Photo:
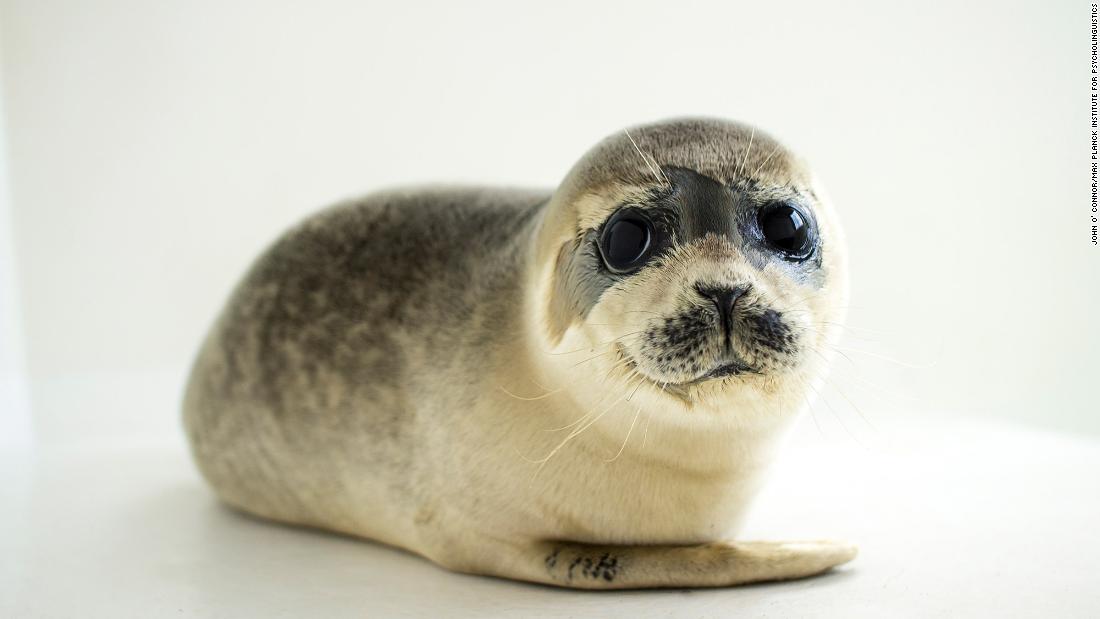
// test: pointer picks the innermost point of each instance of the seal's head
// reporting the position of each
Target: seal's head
(697, 257)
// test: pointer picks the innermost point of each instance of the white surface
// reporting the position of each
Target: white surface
(155, 147)
(954, 519)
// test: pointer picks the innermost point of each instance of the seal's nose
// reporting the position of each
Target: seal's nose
(724, 298)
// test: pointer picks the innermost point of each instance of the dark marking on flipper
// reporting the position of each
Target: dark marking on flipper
(573, 564)
(552, 560)
(605, 567)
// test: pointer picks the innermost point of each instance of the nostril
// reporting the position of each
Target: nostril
(724, 298)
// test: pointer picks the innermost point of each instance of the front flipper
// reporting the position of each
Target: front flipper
(584, 566)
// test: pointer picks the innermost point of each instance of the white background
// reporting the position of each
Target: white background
(155, 148)
(152, 149)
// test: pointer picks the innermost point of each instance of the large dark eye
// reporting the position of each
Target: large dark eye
(626, 241)
(787, 229)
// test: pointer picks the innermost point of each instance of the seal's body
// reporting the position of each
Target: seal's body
(579, 387)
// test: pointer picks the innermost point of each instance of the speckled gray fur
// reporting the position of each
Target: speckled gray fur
(313, 350)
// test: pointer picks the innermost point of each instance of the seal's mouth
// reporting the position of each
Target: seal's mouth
(725, 369)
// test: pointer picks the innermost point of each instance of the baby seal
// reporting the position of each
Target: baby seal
(579, 387)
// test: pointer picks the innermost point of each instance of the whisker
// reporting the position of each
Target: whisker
(852, 404)
(745, 156)
(663, 179)
(886, 358)
(809, 384)
(765, 162)
(531, 399)
(606, 352)
(628, 432)
(813, 417)
(598, 355)
(590, 348)
(576, 433)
